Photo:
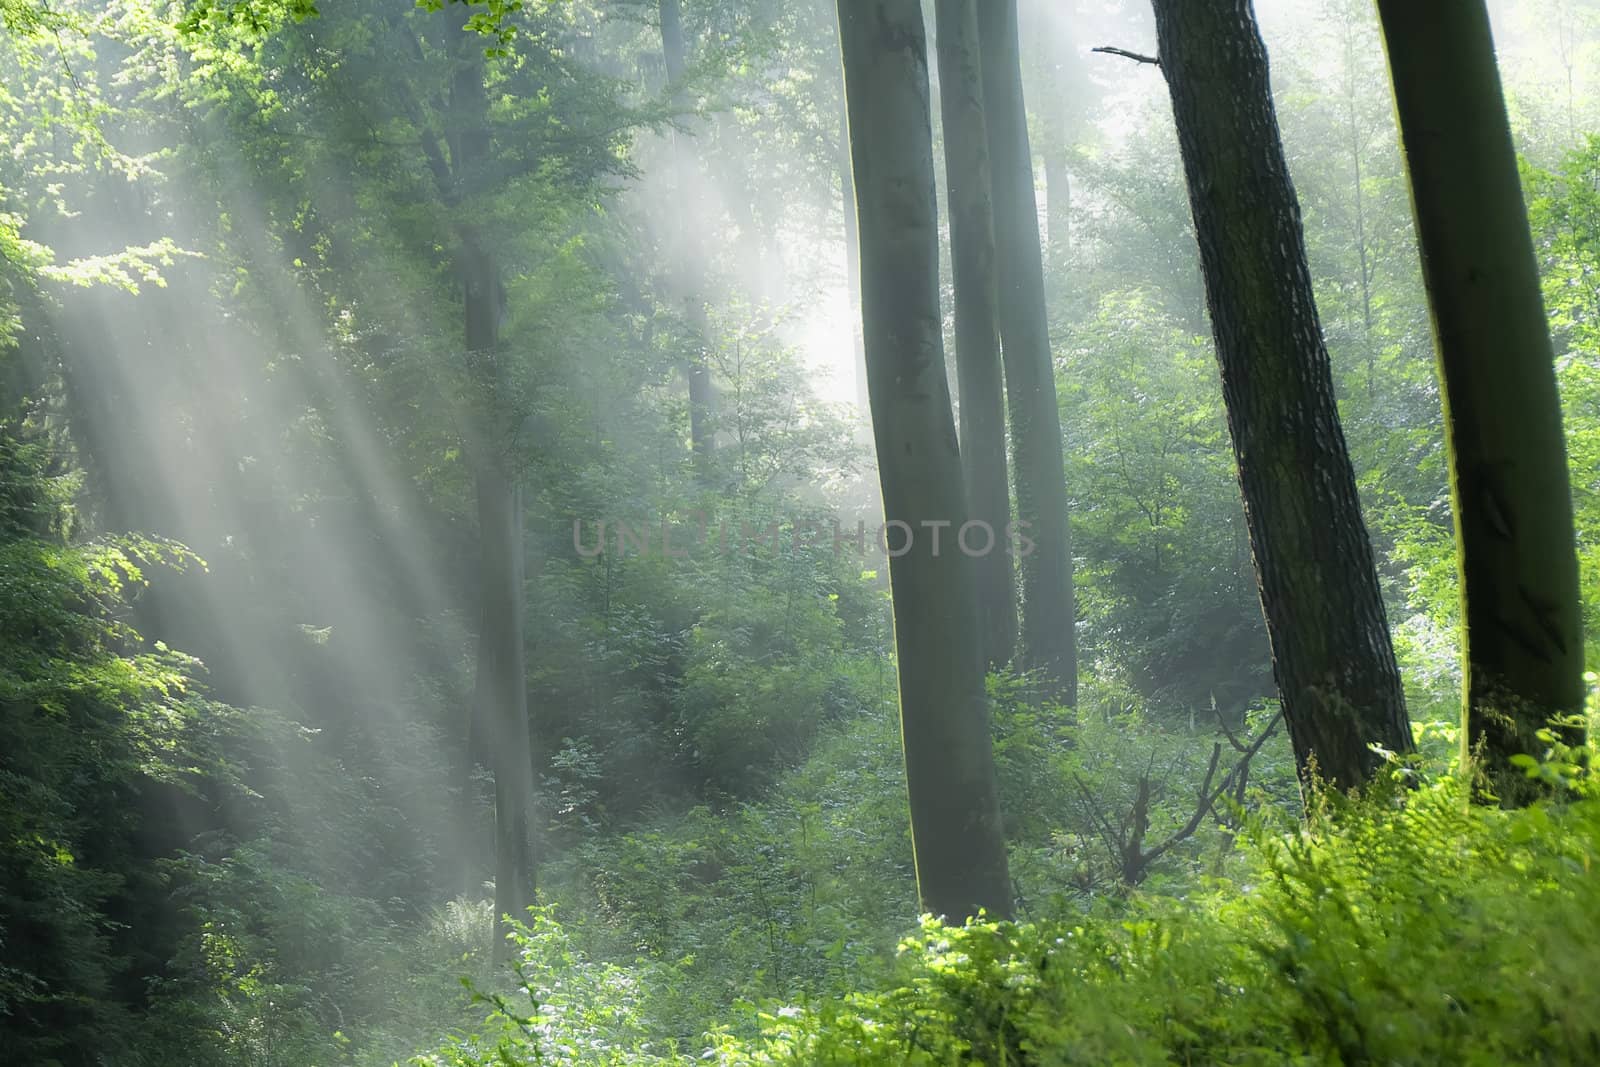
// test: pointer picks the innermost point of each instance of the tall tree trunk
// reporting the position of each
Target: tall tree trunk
(955, 816)
(1049, 637)
(501, 684)
(852, 231)
(1324, 610)
(503, 690)
(983, 427)
(1521, 621)
(688, 262)
(852, 259)
(1046, 25)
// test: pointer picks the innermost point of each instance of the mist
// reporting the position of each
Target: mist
(472, 480)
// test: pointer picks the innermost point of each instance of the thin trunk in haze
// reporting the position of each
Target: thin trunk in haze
(687, 263)
(955, 816)
(1522, 624)
(1324, 610)
(852, 260)
(983, 428)
(1353, 87)
(1049, 637)
(501, 685)
(1044, 24)
(852, 231)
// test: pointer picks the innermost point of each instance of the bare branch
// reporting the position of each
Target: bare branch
(1238, 745)
(1109, 836)
(1153, 61)
(1207, 798)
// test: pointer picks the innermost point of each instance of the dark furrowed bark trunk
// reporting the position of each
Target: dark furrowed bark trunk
(983, 431)
(1049, 637)
(1522, 624)
(955, 817)
(1331, 651)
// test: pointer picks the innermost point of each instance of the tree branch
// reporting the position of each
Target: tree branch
(1203, 804)
(1154, 61)
(1238, 745)
(1207, 795)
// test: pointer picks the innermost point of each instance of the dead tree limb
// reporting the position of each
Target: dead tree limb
(1125, 842)
(1154, 61)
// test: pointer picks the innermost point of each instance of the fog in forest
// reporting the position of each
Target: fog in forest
(610, 531)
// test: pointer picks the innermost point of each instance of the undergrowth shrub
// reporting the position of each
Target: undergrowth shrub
(1422, 933)
(1404, 928)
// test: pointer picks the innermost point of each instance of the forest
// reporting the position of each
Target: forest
(830, 534)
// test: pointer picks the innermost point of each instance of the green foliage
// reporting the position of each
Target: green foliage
(1090, 794)
(760, 677)
(798, 898)
(566, 1008)
(1405, 929)
(230, 316)
(494, 21)
(89, 722)
(1404, 934)
(256, 17)
(1167, 588)
(21, 16)
(1564, 206)
(794, 894)
(128, 269)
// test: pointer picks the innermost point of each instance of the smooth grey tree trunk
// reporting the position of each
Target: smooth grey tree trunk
(978, 373)
(501, 689)
(688, 284)
(950, 777)
(1055, 64)
(1049, 636)
(852, 260)
(1522, 621)
(1324, 610)
(852, 233)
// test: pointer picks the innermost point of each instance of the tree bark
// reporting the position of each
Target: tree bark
(983, 428)
(1522, 625)
(688, 264)
(1049, 636)
(1324, 610)
(501, 684)
(955, 817)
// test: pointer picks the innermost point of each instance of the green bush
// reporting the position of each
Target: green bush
(1406, 928)
(1418, 933)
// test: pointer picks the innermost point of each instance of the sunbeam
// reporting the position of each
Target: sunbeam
(651, 532)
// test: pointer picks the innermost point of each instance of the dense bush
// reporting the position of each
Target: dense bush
(1407, 928)
(91, 726)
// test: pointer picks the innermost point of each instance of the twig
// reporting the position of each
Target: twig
(1154, 61)
(1113, 841)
